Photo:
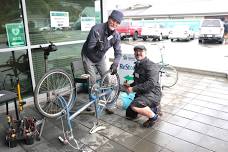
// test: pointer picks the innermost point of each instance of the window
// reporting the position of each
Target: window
(59, 21)
(15, 65)
(10, 13)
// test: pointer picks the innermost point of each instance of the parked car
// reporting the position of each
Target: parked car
(165, 32)
(154, 31)
(127, 29)
(211, 29)
(181, 33)
(45, 28)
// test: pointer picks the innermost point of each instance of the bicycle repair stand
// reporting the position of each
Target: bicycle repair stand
(50, 48)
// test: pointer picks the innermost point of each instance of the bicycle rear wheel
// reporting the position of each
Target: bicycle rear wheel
(168, 76)
(110, 86)
(53, 84)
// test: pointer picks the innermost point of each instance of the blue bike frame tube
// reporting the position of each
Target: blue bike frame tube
(64, 104)
(81, 109)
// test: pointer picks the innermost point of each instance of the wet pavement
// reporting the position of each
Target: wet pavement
(195, 119)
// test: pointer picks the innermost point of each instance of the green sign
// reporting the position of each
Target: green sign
(15, 34)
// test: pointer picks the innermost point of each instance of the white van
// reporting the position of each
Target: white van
(211, 29)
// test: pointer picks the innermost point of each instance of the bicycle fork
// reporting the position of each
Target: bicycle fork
(68, 135)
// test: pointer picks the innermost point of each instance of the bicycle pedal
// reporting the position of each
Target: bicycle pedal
(102, 102)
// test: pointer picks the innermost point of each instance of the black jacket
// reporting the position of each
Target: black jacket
(146, 80)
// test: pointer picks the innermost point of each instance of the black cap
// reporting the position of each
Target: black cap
(117, 15)
(141, 47)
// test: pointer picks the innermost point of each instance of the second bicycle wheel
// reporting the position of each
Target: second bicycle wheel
(168, 76)
(110, 86)
(53, 84)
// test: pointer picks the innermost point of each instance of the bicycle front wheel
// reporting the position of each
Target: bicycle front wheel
(110, 86)
(168, 76)
(53, 84)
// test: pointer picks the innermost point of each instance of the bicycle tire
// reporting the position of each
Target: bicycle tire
(168, 76)
(53, 83)
(114, 84)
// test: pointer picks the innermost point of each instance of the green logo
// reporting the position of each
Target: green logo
(15, 31)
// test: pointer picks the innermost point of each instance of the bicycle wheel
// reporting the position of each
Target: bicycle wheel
(168, 76)
(53, 84)
(110, 86)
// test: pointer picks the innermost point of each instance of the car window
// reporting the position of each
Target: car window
(211, 23)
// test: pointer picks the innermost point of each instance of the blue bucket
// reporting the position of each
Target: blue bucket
(126, 99)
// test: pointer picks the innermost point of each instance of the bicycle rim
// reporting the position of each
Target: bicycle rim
(168, 76)
(53, 83)
(111, 85)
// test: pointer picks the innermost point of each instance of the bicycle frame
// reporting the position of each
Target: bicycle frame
(70, 116)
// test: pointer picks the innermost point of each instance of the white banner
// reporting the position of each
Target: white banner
(59, 19)
(87, 23)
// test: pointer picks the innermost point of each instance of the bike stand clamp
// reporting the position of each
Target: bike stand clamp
(96, 128)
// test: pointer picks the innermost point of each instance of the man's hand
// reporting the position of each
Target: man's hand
(113, 69)
(99, 45)
(127, 87)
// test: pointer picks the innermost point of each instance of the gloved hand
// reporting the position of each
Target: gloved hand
(99, 45)
(113, 69)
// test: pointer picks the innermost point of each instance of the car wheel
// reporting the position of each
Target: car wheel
(135, 36)
(144, 38)
(160, 37)
(171, 40)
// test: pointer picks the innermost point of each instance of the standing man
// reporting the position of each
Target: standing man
(102, 37)
(146, 86)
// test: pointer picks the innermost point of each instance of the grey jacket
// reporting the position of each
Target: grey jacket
(110, 39)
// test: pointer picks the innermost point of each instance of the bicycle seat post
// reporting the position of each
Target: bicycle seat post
(50, 48)
(45, 61)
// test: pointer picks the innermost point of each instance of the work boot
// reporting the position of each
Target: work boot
(150, 122)
(109, 111)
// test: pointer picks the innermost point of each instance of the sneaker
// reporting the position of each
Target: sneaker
(109, 111)
(150, 122)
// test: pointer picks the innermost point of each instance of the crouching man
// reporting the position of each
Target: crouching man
(146, 86)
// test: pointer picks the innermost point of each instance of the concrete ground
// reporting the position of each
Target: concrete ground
(195, 119)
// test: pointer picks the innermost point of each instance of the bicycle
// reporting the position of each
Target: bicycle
(168, 75)
(55, 96)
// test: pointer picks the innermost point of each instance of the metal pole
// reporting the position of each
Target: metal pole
(25, 20)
